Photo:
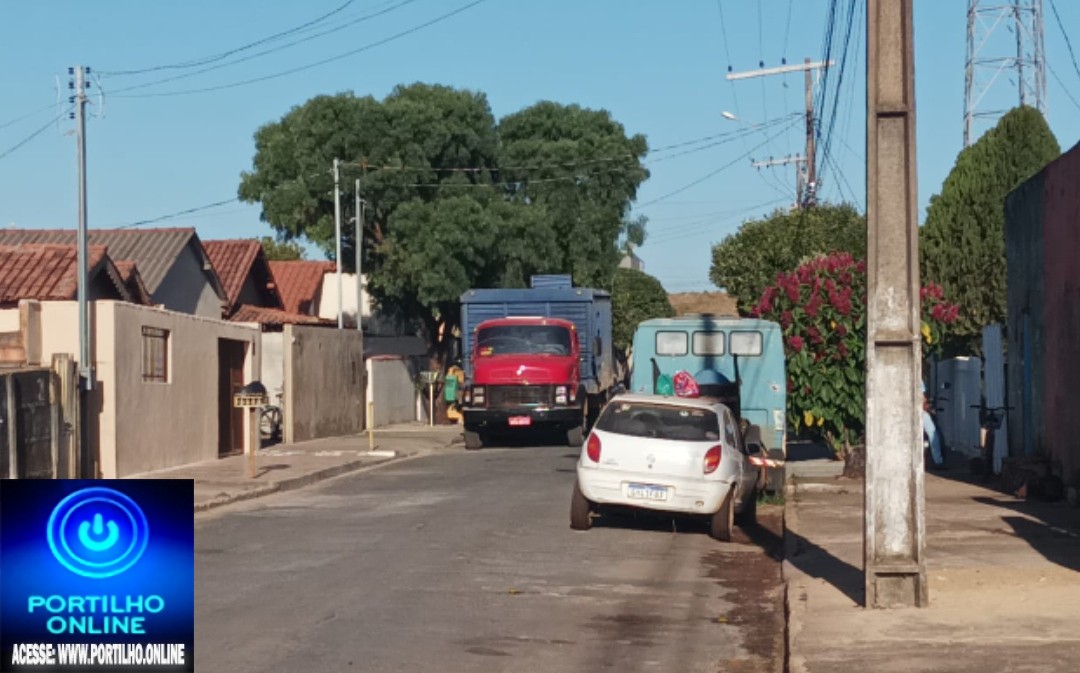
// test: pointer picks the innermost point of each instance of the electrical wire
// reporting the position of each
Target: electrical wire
(33, 113)
(186, 211)
(267, 51)
(291, 71)
(35, 134)
(1068, 42)
(713, 172)
(225, 54)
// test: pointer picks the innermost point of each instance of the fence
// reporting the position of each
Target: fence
(39, 422)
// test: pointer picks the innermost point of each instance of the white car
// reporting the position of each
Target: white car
(670, 454)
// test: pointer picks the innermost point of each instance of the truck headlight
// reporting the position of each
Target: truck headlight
(560, 394)
(478, 394)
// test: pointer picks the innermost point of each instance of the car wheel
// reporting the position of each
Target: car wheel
(723, 521)
(575, 436)
(580, 510)
(473, 440)
(748, 516)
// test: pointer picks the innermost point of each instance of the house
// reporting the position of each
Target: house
(245, 275)
(175, 269)
(300, 284)
(1042, 242)
(631, 261)
(50, 273)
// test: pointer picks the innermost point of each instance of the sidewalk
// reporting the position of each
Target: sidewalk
(284, 467)
(1004, 578)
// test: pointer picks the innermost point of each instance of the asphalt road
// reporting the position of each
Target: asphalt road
(464, 561)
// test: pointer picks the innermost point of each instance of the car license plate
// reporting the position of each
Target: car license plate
(646, 492)
(520, 420)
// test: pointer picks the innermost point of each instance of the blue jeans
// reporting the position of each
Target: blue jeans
(935, 441)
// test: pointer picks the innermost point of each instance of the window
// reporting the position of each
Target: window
(731, 437)
(708, 343)
(671, 343)
(642, 419)
(746, 343)
(524, 340)
(155, 354)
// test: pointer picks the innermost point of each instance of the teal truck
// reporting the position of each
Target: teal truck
(738, 359)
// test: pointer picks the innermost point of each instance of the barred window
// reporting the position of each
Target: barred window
(155, 354)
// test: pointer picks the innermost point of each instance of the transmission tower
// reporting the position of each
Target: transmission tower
(1004, 47)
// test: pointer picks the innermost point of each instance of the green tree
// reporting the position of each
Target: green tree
(962, 243)
(635, 297)
(283, 251)
(748, 261)
(583, 168)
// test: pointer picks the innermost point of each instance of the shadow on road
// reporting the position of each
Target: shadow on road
(818, 562)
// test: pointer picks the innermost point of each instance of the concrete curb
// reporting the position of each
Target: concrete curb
(794, 599)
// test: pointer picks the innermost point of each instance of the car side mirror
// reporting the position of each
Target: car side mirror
(753, 449)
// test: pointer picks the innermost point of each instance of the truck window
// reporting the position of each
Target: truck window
(671, 343)
(658, 421)
(708, 343)
(523, 340)
(746, 343)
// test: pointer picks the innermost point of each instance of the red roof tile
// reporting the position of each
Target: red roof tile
(129, 273)
(44, 272)
(273, 316)
(232, 260)
(299, 283)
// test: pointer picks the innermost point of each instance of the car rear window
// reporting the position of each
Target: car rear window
(659, 421)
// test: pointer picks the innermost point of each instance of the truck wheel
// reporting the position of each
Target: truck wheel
(723, 521)
(575, 436)
(473, 440)
(580, 510)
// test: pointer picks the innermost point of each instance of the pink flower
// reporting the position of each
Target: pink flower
(796, 343)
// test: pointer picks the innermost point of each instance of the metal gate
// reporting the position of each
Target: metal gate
(30, 431)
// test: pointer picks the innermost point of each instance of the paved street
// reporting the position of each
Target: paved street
(464, 561)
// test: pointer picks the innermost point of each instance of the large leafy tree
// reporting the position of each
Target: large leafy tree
(635, 296)
(962, 243)
(583, 168)
(748, 261)
(281, 250)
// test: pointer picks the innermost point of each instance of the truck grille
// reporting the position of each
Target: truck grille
(514, 396)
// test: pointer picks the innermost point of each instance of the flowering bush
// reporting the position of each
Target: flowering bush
(821, 307)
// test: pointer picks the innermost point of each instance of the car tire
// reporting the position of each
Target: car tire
(575, 436)
(473, 440)
(722, 523)
(748, 516)
(580, 510)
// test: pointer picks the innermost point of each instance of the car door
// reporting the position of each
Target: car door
(733, 438)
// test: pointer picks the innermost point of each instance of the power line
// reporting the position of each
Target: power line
(225, 54)
(315, 64)
(714, 172)
(38, 111)
(1068, 42)
(36, 133)
(187, 211)
(267, 51)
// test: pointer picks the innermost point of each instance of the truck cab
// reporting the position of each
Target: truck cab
(526, 372)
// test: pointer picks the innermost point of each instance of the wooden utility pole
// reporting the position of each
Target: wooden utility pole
(894, 535)
(806, 189)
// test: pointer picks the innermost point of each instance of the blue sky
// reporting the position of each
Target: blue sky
(659, 68)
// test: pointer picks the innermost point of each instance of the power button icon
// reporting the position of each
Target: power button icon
(97, 532)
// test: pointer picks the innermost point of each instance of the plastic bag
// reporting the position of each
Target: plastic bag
(686, 385)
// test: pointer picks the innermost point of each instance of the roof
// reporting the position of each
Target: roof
(50, 272)
(129, 273)
(154, 250)
(694, 402)
(238, 259)
(299, 283)
(273, 316)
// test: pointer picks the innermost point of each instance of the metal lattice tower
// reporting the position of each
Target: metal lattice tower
(1004, 46)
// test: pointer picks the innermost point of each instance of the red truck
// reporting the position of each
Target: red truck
(535, 359)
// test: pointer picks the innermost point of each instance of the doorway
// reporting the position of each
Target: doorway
(230, 380)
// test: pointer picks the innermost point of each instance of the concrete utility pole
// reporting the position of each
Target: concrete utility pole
(358, 244)
(337, 237)
(894, 535)
(806, 189)
(86, 368)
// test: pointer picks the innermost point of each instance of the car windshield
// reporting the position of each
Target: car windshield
(523, 340)
(659, 421)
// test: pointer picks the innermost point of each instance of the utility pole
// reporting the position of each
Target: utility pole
(811, 149)
(337, 237)
(894, 522)
(807, 189)
(86, 368)
(359, 243)
(799, 161)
